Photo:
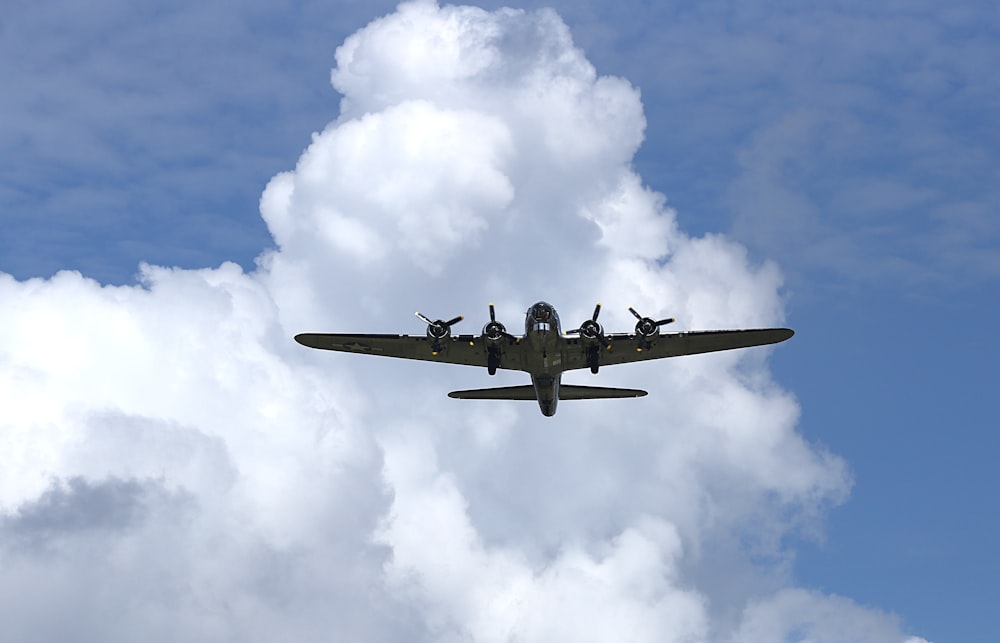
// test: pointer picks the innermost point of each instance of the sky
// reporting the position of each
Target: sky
(183, 190)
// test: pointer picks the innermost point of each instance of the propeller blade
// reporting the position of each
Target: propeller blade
(668, 320)
(431, 322)
(493, 314)
(597, 311)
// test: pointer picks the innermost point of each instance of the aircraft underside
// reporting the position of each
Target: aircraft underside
(544, 351)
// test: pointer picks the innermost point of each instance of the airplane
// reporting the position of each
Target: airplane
(545, 352)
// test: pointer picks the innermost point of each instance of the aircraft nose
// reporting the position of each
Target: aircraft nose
(541, 312)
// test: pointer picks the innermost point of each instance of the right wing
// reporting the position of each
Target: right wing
(469, 350)
(624, 346)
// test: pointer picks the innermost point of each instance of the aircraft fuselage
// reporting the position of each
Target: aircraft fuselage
(544, 361)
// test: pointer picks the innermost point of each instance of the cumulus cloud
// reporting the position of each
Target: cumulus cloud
(167, 447)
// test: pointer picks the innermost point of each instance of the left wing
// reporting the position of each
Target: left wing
(469, 350)
(624, 346)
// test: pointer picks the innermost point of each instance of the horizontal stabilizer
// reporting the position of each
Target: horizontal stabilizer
(566, 392)
(502, 393)
(573, 392)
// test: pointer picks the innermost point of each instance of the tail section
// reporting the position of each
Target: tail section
(566, 392)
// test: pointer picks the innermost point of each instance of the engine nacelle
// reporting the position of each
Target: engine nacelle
(592, 337)
(494, 331)
(591, 330)
(438, 330)
(647, 328)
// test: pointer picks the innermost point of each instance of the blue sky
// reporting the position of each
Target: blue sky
(853, 145)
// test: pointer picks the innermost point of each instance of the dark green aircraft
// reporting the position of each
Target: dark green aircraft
(544, 351)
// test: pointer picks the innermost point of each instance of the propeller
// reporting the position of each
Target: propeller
(439, 329)
(590, 329)
(646, 326)
(494, 330)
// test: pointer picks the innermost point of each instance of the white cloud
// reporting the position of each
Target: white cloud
(408, 180)
(255, 490)
(799, 615)
(625, 590)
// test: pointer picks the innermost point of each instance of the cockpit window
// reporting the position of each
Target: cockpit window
(541, 317)
(541, 313)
